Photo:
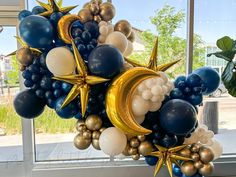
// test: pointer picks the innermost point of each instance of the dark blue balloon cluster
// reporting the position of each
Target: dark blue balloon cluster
(189, 89)
(85, 37)
(177, 172)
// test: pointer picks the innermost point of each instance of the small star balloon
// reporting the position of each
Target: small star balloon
(167, 157)
(153, 61)
(54, 6)
(81, 82)
(23, 44)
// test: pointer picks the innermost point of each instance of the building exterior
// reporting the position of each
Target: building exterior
(5, 65)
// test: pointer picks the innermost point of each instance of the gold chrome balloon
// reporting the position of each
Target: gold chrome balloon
(207, 169)
(107, 11)
(22, 68)
(132, 151)
(145, 148)
(96, 135)
(94, 8)
(86, 5)
(97, 18)
(126, 150)
(124, 27)
(195, 157)
(81, 128)
(79, 123)
(93, 122)
(102, 129)
(206, 154)
(136, 157)
(195, 147)
(24, 56)
(85, 15)
(185, 152)
(64, 27)
(198, 164)
(134, 142)
(81, 143)
(95, 143)
(141, 138)
(119, 99)
(188, 168)
(87, 134)
(132, 36)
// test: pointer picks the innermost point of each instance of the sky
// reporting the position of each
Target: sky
(213, 18)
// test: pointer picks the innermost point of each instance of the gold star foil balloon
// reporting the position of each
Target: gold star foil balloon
(54, 6)
(153, 61)
(168, 157)
(81, 82)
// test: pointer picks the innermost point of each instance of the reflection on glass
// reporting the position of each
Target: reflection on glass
(10, 123)
(213, 21)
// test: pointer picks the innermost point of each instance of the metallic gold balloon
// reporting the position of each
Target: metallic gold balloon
(136, 157)
(195, 147)
(141, 138)
(134, 142)
(97, 18)
(94, 8)
(198, 164)
(64, 27)
(145, 148)
(93, 122)
(22, 68)
(207, 169)
(78, 123)
(102, 129)
(195, 157)
(107, 11)
(188, 168)
(132, 151)
(85, 15)
(81, 143)
(24, 56)
(87, 134)
(86, 5)
(95, 143)
(206, 154)
(132, 36)
(96, 135)
(82, 128)
(126, 150)
(124, 27)
(119, 100)
(185, 152)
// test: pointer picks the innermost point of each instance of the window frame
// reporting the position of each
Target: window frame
(225, 166)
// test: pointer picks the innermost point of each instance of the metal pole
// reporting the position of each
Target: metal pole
(190, 35)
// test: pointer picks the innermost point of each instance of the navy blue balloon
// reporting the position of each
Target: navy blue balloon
(193, 80)
(177, 117)
(210, 78)
(46, 83)
(28, 83)
(48, 94)
(68, 111)
(177, 171)
(56, 85)
(77, 24)
(179, 79)
(26, 74)
(66, 87)
(55, 17)
(36, 31)
(177, 94)
(51, 103)
(92, 28)
(38, 10)
(150, 160)
(195, 99)
(40, 93)
(79, 116)
(169, 141)
(23, 14)
(57, 93)
(105, 61)
(28, 105)
(86, 36)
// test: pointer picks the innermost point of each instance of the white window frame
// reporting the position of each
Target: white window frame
(225, 166)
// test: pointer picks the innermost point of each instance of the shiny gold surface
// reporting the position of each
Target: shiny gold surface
(107, 11)
(124, 27)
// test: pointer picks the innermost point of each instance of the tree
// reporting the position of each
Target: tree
(170, 47)
(12, 76)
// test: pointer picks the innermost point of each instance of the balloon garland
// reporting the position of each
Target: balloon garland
(78, 66)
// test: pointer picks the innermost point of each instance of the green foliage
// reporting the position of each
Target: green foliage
(170, 47)
(229, 78)
(12, 76)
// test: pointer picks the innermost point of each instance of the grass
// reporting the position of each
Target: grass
(48, 122)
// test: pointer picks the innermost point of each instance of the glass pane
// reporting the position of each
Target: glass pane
(213, 21)
(10, 123)
(9, 2)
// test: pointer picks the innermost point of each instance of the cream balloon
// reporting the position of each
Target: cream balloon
(103, 30)
(60, 61)
(216, 148)
(139, 106)
(112, 141)
(118, 40)
(140, 119)
(129, 49)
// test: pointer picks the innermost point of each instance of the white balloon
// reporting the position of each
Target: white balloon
(112, 141)
(140, 119)
(110, 29)
(103, 30)
(170, 85)
(147, 94)
(159, 81)
(155, 106)
(217, 149)
(60, 61)
(149, 83)
(139, 106)
(157, 90)
(129, 49)
(118, 40)
(155, 98)
(163, 76)
(142, 87)
(101, 38)
(102, 23)
(165, 89)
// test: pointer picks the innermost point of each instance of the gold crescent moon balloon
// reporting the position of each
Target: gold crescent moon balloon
(64, 27)
(119, 99)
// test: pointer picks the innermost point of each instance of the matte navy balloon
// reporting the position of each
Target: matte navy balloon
(105, 61)
(193, 80)
(195, 99)
(92, 28)
(177, 117)
(28, 105)
(36, 31)
(66, 87)
(179, 79)
(177, 171)
(68, 111)
(55, 17)
(210, 78)
(169, 141)
(23, 14)
(38, 10)
(177, 94)
(150, 160)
